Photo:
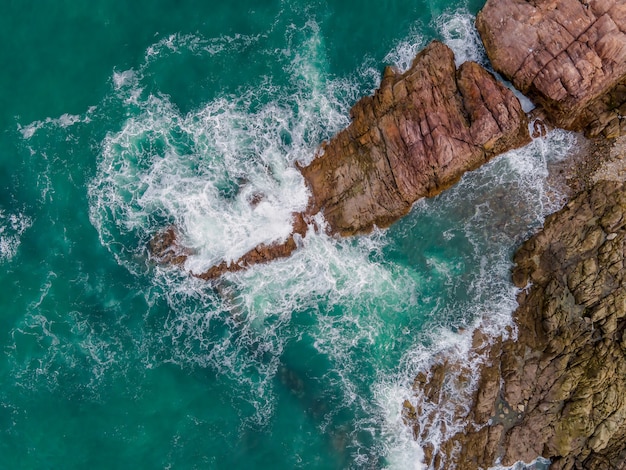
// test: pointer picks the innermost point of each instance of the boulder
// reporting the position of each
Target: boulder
(415, 137)
(569, 56)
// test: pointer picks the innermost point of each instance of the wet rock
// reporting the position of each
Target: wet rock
(416, 136)
(165, 248)
(558, 390)
(569, 56)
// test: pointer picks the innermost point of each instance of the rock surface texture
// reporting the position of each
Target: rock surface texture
(416, 136)
(567, 55)
(559, 389)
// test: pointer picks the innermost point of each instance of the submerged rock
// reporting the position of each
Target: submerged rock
(558, 390)
(569, 56)
(416, 136)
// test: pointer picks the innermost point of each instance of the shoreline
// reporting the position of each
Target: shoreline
(473, 387)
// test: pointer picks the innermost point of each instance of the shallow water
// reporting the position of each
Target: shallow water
(119, 121)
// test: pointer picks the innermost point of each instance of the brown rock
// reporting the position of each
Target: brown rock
(559, 390)
(569, 56)
(164, 247)
(419, 133)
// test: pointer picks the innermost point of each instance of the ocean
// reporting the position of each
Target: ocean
(120, 119)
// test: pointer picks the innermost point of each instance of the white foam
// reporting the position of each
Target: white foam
(190, 169)
(124, 78)
(197, 44)
(459, 33)
(402, 450)
(402, 55)
(12, 227)
(223, 174)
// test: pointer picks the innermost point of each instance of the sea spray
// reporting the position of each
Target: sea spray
(242, 325)
(12, 226)
(459, 33)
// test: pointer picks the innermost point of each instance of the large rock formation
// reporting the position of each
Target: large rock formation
(567, 55)
(419, 133)
(558, 390)
(416, 136)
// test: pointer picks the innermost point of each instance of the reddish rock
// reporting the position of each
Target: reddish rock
(569, 56)
(416, 136)
(164, 247)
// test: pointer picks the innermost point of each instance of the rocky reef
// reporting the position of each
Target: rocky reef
(557, 388)
(415, 137)
(569, 56)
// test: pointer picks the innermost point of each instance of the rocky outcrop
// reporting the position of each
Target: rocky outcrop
(416, 136)
(165, 248)
(554, 385)
(569, 56)
(558, 390)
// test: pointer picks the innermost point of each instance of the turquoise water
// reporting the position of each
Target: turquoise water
(118, 121)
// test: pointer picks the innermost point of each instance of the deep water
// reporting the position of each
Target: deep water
(121, 118)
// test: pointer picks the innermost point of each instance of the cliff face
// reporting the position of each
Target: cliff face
(567, 55)
(559, 389)
(419, 133)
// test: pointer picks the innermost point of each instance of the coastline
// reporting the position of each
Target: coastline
(404, 144)
(462, 408)
(548, 390)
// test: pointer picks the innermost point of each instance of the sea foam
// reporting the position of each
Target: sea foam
(12, 226)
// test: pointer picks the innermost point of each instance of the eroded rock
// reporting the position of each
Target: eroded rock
(416, 136)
